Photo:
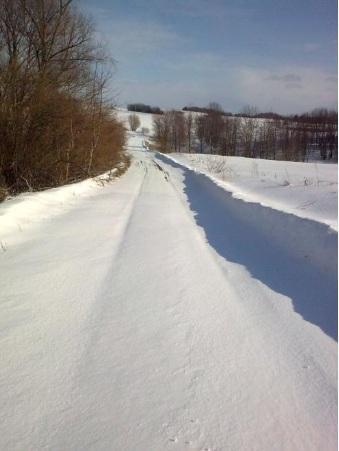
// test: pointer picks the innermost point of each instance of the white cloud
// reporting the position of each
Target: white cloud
(131, 38)
(312, 90)
(203, 78)
(155, 66)
(138, 39)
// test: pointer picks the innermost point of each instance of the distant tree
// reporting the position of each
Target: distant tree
(215, 106)
(142, 108)
(178, 131)
(189, 130)
(265, 144)
(249, 111)
(214, 129)
(248, 131)
(200, 130)
(212, 106)
(161, 127)
(228, 142)
(169, 130)
(156, 110)
(134, 121)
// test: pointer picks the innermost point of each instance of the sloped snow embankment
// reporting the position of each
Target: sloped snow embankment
(25, 211)
(292, 255)
(308, 190)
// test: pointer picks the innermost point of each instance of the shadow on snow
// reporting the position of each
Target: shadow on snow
(293, 256)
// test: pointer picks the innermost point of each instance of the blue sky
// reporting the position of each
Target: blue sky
(277, 55)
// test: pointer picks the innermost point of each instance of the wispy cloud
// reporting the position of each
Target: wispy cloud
(287, 78)
(132, 38)
(217, 9)
(205, 77)
(307, 89)
(128, 38)
(165, 64)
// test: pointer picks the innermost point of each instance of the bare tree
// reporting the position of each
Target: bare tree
(214, 130)
(215, 106)
(161, 127)
(254, 134)
(189, 130)
(249, 111)
(248, 131)
(52, 105)
(200, 129)
(228, 143)
(178, 130)
(134, 122)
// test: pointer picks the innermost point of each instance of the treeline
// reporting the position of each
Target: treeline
(205, 110)
(142, 108)
(316, 115)
(296, 138)
(56, 125)
(247, 111)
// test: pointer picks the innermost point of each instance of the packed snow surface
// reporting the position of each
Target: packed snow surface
(159, 312)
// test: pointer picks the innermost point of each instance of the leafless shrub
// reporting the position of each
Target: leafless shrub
(219, 167)
(134, 122)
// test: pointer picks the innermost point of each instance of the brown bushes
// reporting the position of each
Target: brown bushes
(55, 124)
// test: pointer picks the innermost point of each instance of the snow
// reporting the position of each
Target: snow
(146, 119)
(308, 190)
(161, 312)
(27, 210)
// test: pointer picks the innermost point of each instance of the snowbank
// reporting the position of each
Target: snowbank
(308, 190)
(28, 210)
(293, 256)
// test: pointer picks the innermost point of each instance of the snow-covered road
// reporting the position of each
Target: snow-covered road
(158, 313)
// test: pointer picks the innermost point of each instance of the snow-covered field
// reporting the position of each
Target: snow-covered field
(163, 312)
